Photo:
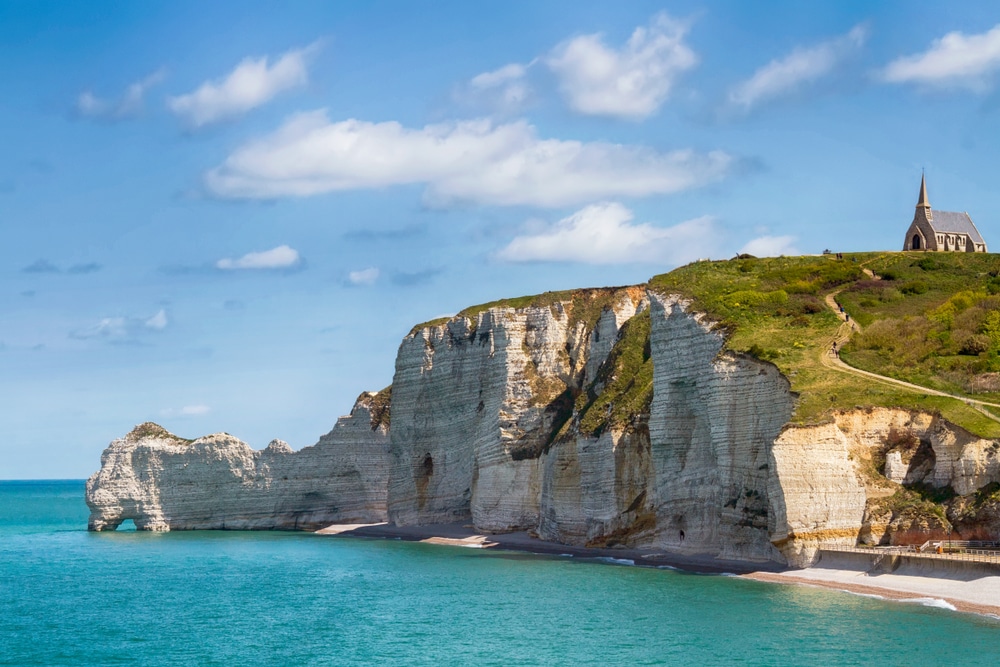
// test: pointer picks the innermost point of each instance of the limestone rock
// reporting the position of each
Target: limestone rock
(163, 482)
(493, 422)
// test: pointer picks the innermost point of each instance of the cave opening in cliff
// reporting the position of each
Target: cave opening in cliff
(126, 525)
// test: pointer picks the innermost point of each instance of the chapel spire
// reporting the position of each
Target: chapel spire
(922, 201)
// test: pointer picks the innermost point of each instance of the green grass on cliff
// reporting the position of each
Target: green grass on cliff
(932, 319)
(626, 378)
(582, 305)
(773, 309)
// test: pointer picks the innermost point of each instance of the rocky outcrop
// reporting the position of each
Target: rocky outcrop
(163, 482)
(600, 417)
(842, 482)
(479, 400)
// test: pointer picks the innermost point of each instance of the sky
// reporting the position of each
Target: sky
(225, 216)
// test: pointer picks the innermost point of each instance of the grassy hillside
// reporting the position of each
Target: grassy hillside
(932, 319)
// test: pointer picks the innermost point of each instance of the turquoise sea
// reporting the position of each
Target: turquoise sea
(69, 597)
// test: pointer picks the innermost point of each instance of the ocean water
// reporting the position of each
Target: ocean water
(69, 597)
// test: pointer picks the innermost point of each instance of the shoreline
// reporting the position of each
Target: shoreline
(912, 589)
(464, 535)
(970, 594)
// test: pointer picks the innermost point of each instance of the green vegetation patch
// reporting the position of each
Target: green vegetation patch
(153, 430)
(581, 305)
(929, 320)
(379, 409)
(627, 379)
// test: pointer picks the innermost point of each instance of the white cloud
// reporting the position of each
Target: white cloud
(477, 161)
(187, 411)
(631, 82)
(282, 257)
(364, 276)
(605, 234)
(158, 321)
(801, 66)
(504, 90)
(770, 246)
(118, 329)
(253, 83)
(130, 104)
(953, 60)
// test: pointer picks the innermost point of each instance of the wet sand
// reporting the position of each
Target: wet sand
(976, 594)
(464, 535)
(980, 595)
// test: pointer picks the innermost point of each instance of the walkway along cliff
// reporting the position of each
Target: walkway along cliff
(598, 417)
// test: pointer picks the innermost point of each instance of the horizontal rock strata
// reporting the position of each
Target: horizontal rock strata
(163, 482)
(603, 417)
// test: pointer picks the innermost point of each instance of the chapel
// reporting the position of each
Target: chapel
(941, 230)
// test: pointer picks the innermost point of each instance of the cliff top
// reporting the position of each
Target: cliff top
(932, 319)
(582, 305)
(152, 430)
(929, 319)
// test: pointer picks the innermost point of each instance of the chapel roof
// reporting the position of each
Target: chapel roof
(952, 222)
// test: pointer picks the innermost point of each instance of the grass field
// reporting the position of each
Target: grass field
(930, 319)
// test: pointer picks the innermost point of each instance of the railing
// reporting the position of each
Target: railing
(948, 552)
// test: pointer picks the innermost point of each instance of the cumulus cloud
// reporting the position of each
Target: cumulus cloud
(802, 66)
(631, 82)
(122, 329)
(473, 161)
(128, 105)
(956, 59)
(253, 83)
(770, 246)
(606, 234)
(503, 90)
(282, 257)
(187, 411)
(363, 277)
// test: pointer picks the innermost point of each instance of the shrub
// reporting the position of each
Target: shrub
(927, 264)
(762, 353)
(915, 287)
(974, 344)
(889, 275)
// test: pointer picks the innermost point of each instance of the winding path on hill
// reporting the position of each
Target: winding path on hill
(849, 327)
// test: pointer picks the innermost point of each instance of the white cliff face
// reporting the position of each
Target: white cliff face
(476, 406)
(163, 482)
(826, 476)
(712, 422)
(492, 424)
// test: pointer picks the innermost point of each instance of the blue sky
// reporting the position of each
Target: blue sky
(225, 216)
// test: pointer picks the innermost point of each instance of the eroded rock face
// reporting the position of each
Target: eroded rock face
(163, 482)
(490, 425)
(829, 488)
(712, 422)
(477, 404)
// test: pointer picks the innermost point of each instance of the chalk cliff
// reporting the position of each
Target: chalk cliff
(164, 482)
(600, 417)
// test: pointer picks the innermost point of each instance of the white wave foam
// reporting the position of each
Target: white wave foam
(616, 561)
(933, 602)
